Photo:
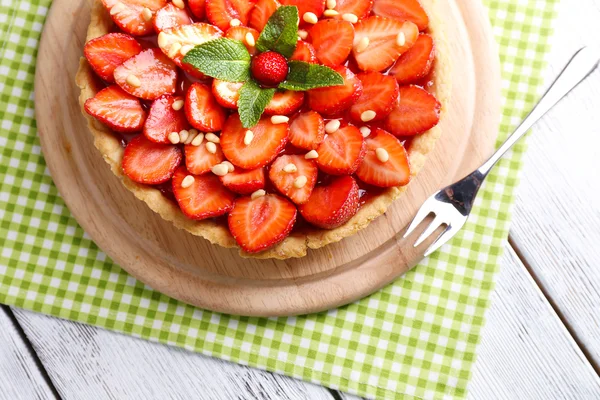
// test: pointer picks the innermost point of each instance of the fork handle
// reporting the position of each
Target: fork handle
(583, 63)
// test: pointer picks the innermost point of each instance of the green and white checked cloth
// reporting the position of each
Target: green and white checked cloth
(414, 339)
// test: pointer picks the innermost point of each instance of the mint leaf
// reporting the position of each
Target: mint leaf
(305, 76)
(222, 58)
(252, 102)
(281, 32)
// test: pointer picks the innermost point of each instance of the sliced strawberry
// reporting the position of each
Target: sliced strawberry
(416, 63)
(245, 181)
(128, 15)
(227, 93)
(291, 183)
(202, 110)
(205, 198)
(417, 112)
(268, 140)
(177, 41)
(333, 205)
(148, 75)
(384, 47)
(198, 8)
(162, 120)
(117, 109)
(304, 52)
(334, 99)
(403, 10)
(332, 40)
(198, 160)
(148, 162)
(240, 33)
(314, 6)
(393, 172)
(221, 12)
(285, 103)
(342, 151)
(107, 52)
(262, 12)
(170, 16)
(380, 94)
(360, 8)
(261, 223)
(307, 130)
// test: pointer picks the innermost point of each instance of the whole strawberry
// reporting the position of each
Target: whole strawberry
(269, 68)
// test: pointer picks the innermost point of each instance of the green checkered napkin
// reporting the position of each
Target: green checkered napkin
(416, 338)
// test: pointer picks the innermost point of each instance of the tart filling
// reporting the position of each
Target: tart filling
(273, 127)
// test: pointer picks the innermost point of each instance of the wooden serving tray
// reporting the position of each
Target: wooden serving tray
(189, 268)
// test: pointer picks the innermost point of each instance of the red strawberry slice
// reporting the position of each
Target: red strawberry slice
(170, 16)
(163, 119)
(128, 15)
(332, 40)
(305, 52)
(148, 162)
(384, 46)
(314, 6)
(334, 99)
(198, 160)
(333, 205)
(107, 52)
(380, 94)
(307, 130)
(227, 94)
(285, 103)
(244, 181)
(177, 41)
(393, 172)
(416, 63)
(360, 8)
(268, 139)
(202, 110)
(261, 223)
(205, 198)
(148, 75)
(296, 183)
(262, 12)
(417, 112)
(117, 109)
(403, 10)
(342, 151)
(240, 33)
(198, 8)
(222, 12)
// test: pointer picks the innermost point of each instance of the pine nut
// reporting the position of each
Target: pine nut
(183, 136)
(330, 13)
(310, 18)
(117, 8)
(350, 18)
(311, 155)
(178, 105)
(250, 39)
(198, 139)
(290, 168)
(147, 14)
(365, 131)
(258, 194)
(211, 147)
(332, 126)
(362, 44)
(162, 40)
(211, 137)
(179, 4)
(134, 81)
(331, 4)
(382, 154)
(230, 166)
(191, 136)
(235, 22)
(368, 115)
(174, 137)
(300, 182)
(279, 119)
(187, 181)
(401, 39)
(302, 34)
(220, 170)
(248, 138)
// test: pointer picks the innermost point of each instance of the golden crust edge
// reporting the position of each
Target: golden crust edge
(296, 245)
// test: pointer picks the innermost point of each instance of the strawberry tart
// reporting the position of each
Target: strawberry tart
(274, 126)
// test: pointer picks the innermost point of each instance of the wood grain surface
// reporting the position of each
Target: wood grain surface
(189, 268)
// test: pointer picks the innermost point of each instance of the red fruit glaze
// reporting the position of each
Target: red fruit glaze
(261, 223)
(162, 120)
(106, 53)
(333, 205)
(148, 162)
(269, 68)
(393, 172)
(202, 109)
(117, 109)
(243, 181)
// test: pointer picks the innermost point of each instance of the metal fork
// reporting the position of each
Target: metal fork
(452, 205)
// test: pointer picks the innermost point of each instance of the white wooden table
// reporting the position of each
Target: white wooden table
(541, 341)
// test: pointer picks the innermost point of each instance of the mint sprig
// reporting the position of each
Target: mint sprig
(252, 102)
(280, 34)
(304, 76)
(222, 58)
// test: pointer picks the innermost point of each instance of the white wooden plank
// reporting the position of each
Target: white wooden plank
(20, 377)
(556, 226)
(85, 362)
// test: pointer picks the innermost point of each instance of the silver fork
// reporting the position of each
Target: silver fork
(452, 205)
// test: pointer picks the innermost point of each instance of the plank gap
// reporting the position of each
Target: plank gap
(572, 331)
(31, 350)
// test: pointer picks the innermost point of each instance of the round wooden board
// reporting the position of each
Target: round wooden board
(189, 268)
